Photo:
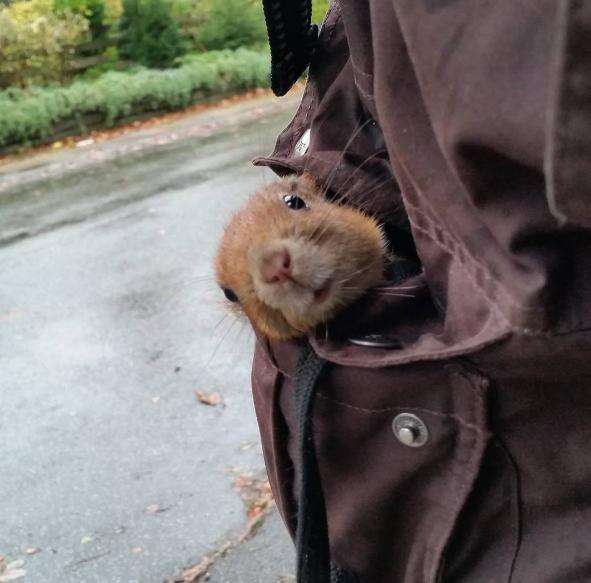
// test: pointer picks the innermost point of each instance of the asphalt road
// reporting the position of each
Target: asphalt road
(111, 470)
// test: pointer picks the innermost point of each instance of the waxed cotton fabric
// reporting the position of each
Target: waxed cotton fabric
(472, 119)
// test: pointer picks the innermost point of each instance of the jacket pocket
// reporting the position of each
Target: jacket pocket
(442, 509)
(399, 451)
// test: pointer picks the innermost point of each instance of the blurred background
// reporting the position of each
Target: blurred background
(129, 449)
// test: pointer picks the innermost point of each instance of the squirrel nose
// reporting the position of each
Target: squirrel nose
(276, 267)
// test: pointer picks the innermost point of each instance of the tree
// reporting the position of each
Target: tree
(37, 45)
(93, 10)
(149, 35)
(234, 23)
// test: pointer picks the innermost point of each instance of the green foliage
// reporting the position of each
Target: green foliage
(28, 116)
(319, 9)
(95, 12)
(36, 44)
(113, 11)
(232, 24)
(191, 16)
(148, 33)
(96, 15)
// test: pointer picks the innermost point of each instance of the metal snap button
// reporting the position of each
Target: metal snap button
(303, 143)
(410, 430)
(376, 341)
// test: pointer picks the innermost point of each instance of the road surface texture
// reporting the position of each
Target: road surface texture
(111, 468)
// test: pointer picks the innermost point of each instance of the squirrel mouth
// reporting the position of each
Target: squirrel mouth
(322, 292)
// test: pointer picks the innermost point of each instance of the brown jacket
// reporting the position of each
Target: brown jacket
(481, 110)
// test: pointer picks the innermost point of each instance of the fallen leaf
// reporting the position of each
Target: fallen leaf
(211, 399)
(85, 540)
(255, 493)
(32, 550)
(254, 512)
(137, 550)
(195, 573)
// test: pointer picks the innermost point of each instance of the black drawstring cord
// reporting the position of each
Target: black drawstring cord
(313, 554)
(312, 542)
(292, 39)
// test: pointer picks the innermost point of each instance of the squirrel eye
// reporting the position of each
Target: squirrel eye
(294, 202)
(230, 295)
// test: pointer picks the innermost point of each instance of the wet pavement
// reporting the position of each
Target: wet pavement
(111, 470)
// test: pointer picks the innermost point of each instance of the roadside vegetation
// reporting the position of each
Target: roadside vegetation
(68, 66)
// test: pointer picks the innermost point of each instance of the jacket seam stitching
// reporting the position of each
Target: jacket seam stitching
(363, 92)
(455, 417)
(451, 245)
(359, 70)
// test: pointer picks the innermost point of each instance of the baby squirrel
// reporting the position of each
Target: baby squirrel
(290, 259)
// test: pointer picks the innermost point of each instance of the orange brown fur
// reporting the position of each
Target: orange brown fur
(328, 241)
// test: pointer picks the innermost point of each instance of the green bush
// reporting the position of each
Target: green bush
(190, 16)
(232, 24)
(148, 33)
(94, 11)
(113, 11)
(37, 45)
(30, 116)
